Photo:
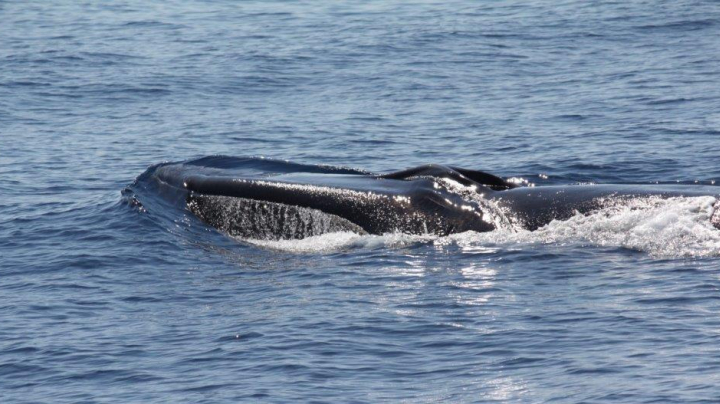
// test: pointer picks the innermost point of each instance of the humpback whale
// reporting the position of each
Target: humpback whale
(270, 199)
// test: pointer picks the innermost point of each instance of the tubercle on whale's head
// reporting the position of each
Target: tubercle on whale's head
(715, 218)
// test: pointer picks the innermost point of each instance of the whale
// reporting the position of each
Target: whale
(259, 198)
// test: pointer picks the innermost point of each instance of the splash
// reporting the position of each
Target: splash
(500, 218)
(663, 228)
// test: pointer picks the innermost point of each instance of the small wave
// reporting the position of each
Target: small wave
(24, 83)
(689, 25)
(663, 228)
(153, 23)
(670, 101)
(571, 117)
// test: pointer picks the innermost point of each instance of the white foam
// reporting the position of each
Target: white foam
(332, 242)
(664, 228)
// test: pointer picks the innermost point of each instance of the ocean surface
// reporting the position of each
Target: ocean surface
(105, 302)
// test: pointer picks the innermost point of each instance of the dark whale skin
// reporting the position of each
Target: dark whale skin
(227, 192)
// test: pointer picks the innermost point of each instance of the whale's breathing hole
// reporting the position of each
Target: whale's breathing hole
(250, 219)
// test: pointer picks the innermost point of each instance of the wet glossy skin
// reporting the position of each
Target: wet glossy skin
(427, 199)
(377, 205)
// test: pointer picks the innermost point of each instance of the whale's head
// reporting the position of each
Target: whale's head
(715, 218)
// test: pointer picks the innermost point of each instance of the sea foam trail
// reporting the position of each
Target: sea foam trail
(663, 228)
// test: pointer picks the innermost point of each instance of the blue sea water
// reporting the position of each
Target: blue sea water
(101, 301)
